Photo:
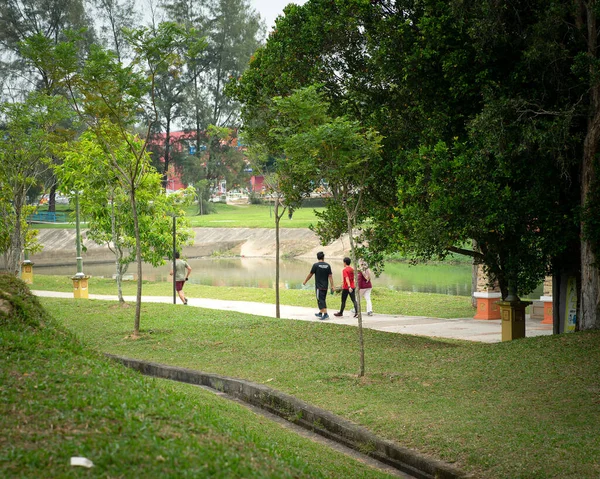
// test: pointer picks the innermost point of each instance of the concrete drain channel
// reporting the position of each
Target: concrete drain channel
(306, 416)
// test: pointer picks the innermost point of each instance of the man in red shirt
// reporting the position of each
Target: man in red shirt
(347, 288)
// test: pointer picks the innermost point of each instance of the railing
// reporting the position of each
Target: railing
(48, 217)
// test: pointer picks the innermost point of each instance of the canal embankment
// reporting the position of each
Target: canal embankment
(59, 245)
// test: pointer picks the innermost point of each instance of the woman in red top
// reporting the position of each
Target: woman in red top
(347, 288)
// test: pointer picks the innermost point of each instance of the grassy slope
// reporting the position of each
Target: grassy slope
(523, 409)
(60, 400)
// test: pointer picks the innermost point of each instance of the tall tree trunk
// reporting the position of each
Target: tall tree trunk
(590, 275)
(118, 252)
(13, 263)
(474, 276)
(138, 257)
(590, 278)
(277, 218)
(361, 340)
(52, 199)
(167, 156)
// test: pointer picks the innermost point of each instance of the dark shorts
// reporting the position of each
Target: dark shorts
(179, 285)
(321, 296)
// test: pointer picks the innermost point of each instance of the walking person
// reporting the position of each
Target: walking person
(323, 278)
(347, 288)
(182, 273)
(364, 284)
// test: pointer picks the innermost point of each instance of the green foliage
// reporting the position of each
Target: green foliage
(230, 31)
(51, 21)
(107, 205)
(29, 134)
(109, 96)
(223, 160)
(480, 111)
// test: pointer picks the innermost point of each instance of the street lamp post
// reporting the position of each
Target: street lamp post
(79, 273)
(80, 280)
(174, 259)
(27, 265)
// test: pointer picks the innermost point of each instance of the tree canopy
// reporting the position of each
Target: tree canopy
(484, 112)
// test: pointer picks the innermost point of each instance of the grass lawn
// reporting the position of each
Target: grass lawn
(60, 400)
(225, 216)
(250, 216)
(385, 301)
(522, 409)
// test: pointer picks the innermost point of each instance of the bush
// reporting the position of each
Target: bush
(313, 203)
(19, 309)
(255, 198)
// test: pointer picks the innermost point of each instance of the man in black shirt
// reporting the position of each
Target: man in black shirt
(323, 278)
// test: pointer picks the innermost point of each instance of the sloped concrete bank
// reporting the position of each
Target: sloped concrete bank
(59, 245)
(309, 417)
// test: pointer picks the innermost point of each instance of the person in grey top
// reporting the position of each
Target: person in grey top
(323, 278)
(182, 273)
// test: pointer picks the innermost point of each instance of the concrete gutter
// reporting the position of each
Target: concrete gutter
(309, 417)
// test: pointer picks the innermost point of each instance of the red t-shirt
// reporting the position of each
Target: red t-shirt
(348, 277)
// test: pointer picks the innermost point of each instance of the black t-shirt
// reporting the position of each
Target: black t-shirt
(321, 270)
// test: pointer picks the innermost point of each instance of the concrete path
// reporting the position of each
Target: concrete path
(461, 328)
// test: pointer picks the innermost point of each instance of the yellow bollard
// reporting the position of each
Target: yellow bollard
(513, 319)
(27, 272)
(80, 286)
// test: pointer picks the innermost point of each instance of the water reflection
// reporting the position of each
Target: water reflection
(449, 279)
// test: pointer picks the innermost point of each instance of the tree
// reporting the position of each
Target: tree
(28, 135)
(336, 152)
(223, 160)
(106, 206)
(193, 16)
(19, 20)
(459, 90)
(108, 98)
(288, 192)
(116, 16)
(232, 30)
(171, 89)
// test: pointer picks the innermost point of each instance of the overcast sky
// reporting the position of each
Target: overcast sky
(270, 9)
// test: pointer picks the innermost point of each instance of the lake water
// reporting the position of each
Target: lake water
(453, 279)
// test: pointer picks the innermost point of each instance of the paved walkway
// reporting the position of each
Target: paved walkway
(461, 328)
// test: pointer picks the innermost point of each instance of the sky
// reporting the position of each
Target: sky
(270, 9)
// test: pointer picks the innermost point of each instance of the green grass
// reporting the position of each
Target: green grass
(385, 301)
(521, 409)
(250, 216)
(227, 216)
(59, 399)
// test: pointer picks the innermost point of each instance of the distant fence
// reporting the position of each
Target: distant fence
(49, 217)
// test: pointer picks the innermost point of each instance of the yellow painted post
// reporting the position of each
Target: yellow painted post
(80, 286)
(513, 319)
(27, 272)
